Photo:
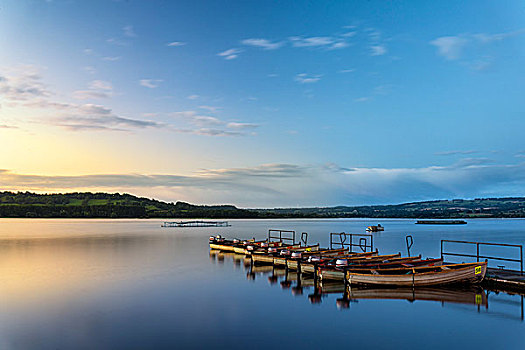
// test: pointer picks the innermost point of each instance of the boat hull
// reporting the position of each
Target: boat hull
(452, 274)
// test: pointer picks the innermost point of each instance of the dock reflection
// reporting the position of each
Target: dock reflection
(316, 291)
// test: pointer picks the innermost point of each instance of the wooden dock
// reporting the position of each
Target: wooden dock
(506, 280)
(195, 224)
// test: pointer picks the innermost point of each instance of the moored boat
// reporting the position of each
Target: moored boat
(420, 276)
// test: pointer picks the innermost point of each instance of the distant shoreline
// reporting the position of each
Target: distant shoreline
(126, 206)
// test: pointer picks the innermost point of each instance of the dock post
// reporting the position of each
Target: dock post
(521, 264)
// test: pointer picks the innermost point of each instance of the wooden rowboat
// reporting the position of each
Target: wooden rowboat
(280, 259)
(334, 272)
(309, 267)
(420, 276)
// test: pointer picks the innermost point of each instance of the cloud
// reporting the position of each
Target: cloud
(328, 42)
(346, 70)
(129, 31)
(299, 41)
(117, 42)
(193, 97)
(101, 85)
(362, 99)
(450, 47)
(454, 152)
(5, 126)
(175, 44)
(209, 125)
(453, 47)
(263, 43)
(277, 184)
(349, 34)
(304, 78)
(111, 58)
(210, 108)
(488, 38)
(377, 50)
(24, 88)
(230, 54)
(89, 94)
(90, 69)
(241, 126)
(97, 89)
(23, 83)
(150, 83)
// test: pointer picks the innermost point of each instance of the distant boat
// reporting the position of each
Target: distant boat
(375, 228)
(441, 222)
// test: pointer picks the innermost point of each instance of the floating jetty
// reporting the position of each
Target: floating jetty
(441, 222)
(195, 224)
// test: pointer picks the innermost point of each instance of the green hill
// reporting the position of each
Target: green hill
(106, 205)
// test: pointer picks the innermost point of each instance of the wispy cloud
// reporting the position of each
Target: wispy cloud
(90, 94)
(210, 125)
(26, 89)
(230, 54)
(210, 108)
(90, 69)
(453, 47)
(299, 185)
(5, 126)
(129, 31)
(378, 50)
(23, 83)
(97, 89)
(304, 78)
(111, 58)
(117, 42)
(263, 43)
(176, 44)
(150, 83)
(193, 97)
(329, 42)
(450, 47)
(455, 152)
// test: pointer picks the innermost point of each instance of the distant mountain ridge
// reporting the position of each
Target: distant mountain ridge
(108, 205)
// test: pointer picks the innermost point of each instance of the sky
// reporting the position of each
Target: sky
(264, 103)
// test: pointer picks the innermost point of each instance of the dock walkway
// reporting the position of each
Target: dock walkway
(505, 279)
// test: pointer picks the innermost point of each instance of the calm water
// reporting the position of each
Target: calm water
(109, 284)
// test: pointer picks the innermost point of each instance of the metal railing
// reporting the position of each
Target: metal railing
(339, 239)
(488, 257)
(288, 235)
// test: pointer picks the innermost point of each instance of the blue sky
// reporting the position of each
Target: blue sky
(260, 103)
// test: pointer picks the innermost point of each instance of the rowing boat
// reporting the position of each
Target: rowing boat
(420, 276)
(283, 258)
(280, 257)
(309, 263)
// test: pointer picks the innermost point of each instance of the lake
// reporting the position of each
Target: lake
(130, 284)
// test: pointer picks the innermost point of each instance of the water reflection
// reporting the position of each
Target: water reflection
(474, 297)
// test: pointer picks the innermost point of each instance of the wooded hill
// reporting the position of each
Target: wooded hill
(105, 205)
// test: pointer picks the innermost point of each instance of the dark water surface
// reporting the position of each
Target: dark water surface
(130, 284)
